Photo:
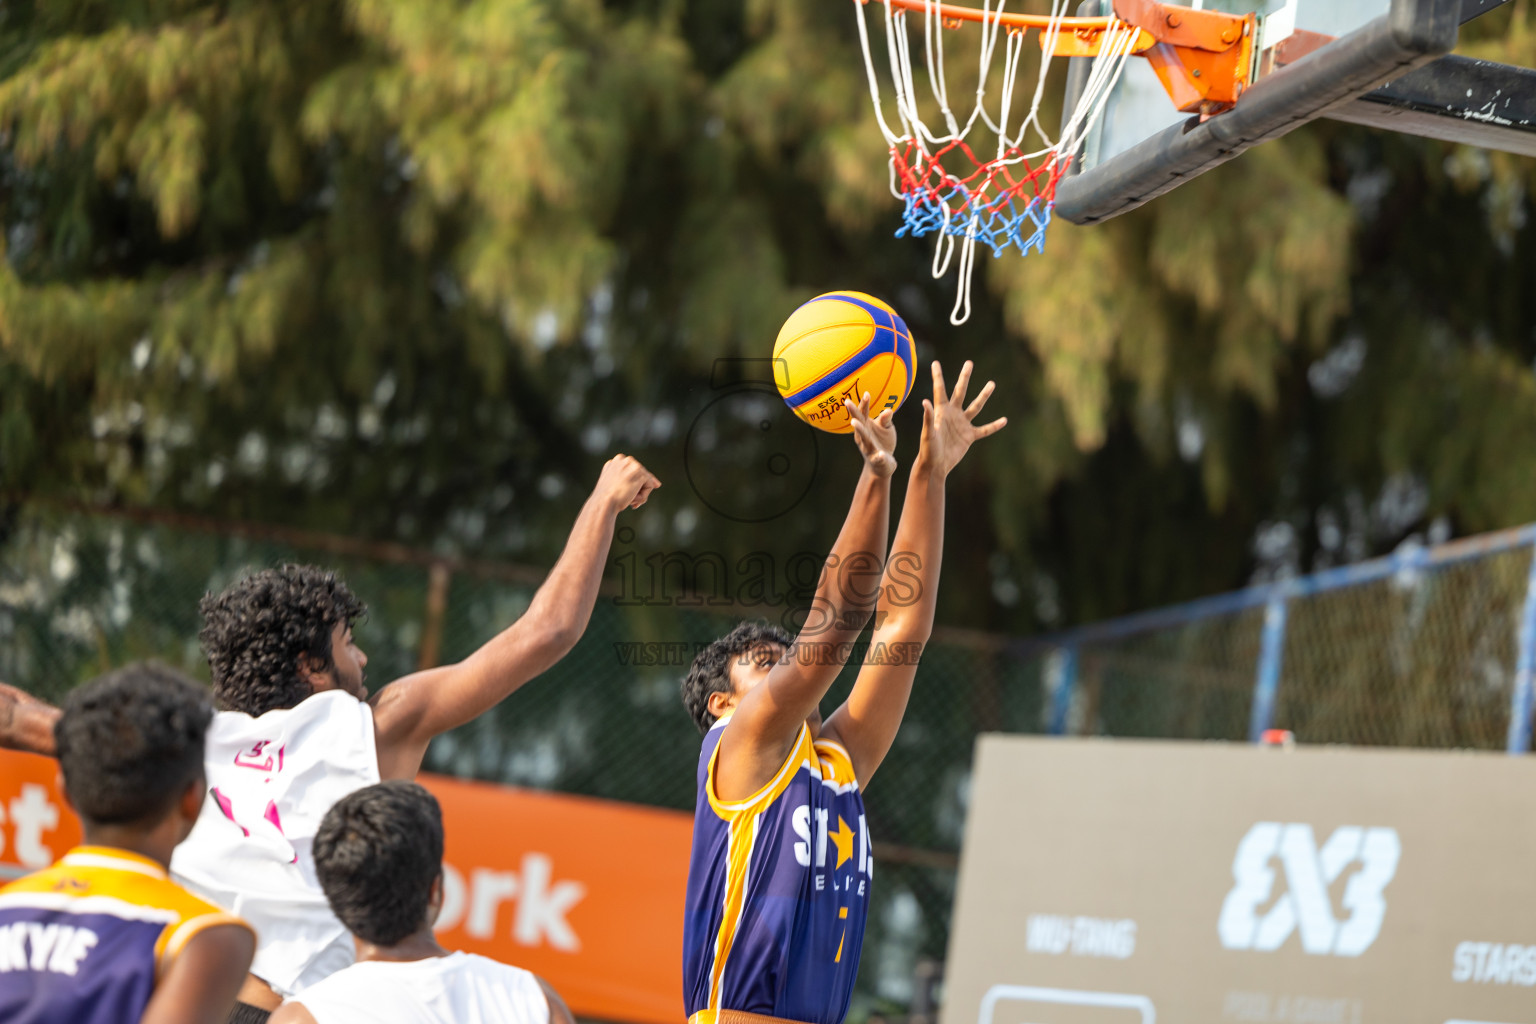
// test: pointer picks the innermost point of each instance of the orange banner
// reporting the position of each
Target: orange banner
(587, 893)
(36, 825)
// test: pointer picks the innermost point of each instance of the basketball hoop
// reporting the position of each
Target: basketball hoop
(1003, 197)
(1000, 198)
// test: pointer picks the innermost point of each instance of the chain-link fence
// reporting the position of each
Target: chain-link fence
(1431, 647)
(1425, 649)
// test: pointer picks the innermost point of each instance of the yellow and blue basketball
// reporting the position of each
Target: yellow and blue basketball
(840, 345)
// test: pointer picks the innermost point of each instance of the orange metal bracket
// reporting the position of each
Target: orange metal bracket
(1184, 26)
(1203, 58)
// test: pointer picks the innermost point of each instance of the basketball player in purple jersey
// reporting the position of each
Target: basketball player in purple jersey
(779, 876)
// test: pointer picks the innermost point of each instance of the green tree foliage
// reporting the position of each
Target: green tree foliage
(410, 269)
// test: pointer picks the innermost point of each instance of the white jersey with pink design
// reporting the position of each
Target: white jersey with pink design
(270, 781)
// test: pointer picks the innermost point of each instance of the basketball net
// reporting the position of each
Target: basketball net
(946, 189)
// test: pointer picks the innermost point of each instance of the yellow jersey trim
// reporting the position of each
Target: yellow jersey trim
(735, 1017)
(738, 858)
(835, 766)
(114, 860)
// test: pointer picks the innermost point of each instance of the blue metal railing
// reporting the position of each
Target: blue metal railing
(1275, 598)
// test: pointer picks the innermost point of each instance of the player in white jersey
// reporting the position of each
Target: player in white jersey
(379, 855)
(298, 731)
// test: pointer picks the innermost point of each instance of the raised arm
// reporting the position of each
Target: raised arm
(768, 718)
(26, 723)
(866, 724)
(410, 711)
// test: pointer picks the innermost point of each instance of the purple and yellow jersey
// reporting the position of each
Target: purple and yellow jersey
(86, 940)
(778, 889)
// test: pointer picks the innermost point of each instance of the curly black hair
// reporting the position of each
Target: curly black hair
(131, 742)
(255, 632)
(711, 669)
(377, 852)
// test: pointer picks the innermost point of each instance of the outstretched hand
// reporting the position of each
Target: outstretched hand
(876, 437)
(948, 423)
(625, 483)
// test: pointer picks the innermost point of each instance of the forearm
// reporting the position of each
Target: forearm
(868, 721)
(849, 584)
(26, 723)
(846, 594)
(909, 594)
(410, 711)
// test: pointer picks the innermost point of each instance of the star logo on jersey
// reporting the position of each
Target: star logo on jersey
(843, 838)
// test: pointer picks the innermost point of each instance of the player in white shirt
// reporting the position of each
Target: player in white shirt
(379, 855)
(297, 731)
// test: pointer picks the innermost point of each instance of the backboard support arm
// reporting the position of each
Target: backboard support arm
(1477, 8)
(1410, 37)
(1455, 99)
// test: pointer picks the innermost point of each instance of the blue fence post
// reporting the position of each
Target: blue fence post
(1525, 660)
(1062, 687)
(1267, 683)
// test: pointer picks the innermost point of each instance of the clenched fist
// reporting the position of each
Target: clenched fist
(625, 483)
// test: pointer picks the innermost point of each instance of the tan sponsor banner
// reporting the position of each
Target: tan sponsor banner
(1131, 882)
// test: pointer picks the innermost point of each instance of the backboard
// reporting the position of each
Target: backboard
(1374, 62)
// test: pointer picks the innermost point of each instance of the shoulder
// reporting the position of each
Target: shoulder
(486, 965)
(528, 991)
(357, 985)
(535, 997)
(326, 704)
(195, 916)
(800, 755)
(363, 979)
(219, 945)
(327, 731)
(188, 907)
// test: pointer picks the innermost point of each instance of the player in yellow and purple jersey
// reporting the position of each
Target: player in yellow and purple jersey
(780, 873)
(104, 936)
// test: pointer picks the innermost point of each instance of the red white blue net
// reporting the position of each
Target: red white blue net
(1001, 197)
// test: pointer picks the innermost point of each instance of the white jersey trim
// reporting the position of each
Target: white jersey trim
(109, 906)
(97, 860)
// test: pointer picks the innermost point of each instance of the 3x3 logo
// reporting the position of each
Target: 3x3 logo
(1309, 872)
